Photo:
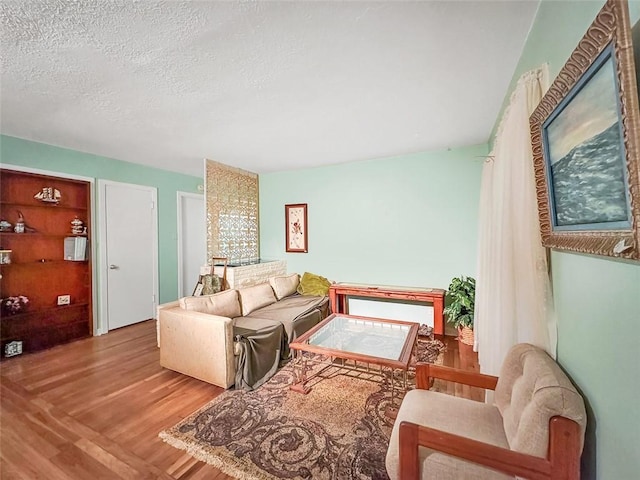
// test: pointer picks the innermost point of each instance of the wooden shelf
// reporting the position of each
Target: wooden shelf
(42, 264)
(44, 324)
(39, 234)
(43, 311)
(42, 205)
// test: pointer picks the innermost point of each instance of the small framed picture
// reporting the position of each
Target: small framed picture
(295, 217)
(198, 290)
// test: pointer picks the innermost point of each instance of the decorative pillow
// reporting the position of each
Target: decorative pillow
(210, 284)
(224, 304)
(315, 285)
(284, 286)
(258, 296)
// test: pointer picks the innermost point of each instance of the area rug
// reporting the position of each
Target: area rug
(337, 431)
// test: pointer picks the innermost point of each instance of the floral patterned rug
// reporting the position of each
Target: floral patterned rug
(337, 431)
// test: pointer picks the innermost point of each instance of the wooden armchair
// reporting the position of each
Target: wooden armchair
(535, 429)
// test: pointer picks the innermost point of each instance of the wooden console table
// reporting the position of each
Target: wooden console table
(338, 293)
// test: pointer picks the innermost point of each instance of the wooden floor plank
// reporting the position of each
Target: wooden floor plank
(112, 462)
(30, 429)
(93, 409)
(80, 465)
(27, 462)
(15, 398)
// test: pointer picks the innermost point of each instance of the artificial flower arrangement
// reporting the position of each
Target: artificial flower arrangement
(13, 305)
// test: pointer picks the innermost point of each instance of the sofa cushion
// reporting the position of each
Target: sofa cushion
(312, 284)
(223, 304)
(476, 420)
(285, 285)
(531, 389)
(258, 296)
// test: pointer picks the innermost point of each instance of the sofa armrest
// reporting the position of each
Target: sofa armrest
(164, 306)
(197, 344)
(426, 371)
(563, 460)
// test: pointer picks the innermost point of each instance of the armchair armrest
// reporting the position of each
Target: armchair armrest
(563, 460)
(426, 371)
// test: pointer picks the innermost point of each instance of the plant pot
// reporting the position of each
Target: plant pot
(8, 312)
(465, 335)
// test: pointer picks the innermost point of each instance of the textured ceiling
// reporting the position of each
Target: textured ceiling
(264, 86)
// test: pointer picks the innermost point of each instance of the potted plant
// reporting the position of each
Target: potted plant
(461, 298)
(14, 305)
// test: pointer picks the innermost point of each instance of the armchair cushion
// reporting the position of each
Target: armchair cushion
(531, 389)
(475, 420)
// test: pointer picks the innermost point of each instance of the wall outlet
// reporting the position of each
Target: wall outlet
(64, 299)
(13, 348)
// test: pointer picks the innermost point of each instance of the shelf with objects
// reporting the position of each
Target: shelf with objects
(45, 267)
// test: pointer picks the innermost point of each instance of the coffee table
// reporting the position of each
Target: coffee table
(363, 340)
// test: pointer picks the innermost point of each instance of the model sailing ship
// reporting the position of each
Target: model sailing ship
(48, 195)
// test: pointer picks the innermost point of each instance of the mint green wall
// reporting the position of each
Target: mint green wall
(25, 153)
(406, 220)
(597, 298)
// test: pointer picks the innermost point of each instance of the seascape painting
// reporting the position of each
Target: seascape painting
(635, 33)
(585, 137)
(587, 157)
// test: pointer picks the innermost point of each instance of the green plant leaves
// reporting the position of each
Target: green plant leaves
(461, 297)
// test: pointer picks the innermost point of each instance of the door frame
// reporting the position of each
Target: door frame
(93, 249)
(102, 248)
(180, 196)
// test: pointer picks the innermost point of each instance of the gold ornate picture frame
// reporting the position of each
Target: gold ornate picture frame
(295, 217)
(586, 141)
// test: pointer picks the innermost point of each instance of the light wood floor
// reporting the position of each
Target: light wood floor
(459, 355)
(93, 408)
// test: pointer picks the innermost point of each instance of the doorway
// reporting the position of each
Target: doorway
(192, 240)
(128, 254)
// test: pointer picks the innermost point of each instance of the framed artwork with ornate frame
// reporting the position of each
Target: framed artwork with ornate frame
(586, 141)
(295, 218)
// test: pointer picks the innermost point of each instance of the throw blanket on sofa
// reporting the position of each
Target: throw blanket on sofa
(263, 337)
(298, 313)
(260, 345)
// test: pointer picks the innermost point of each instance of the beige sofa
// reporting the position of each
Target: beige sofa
(236, 336)
(535, 429)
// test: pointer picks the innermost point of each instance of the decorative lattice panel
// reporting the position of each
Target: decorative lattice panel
(232, 213)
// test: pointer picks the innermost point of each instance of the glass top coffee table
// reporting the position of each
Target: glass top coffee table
(363, 340)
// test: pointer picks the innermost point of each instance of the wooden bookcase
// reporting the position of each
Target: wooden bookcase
(38, 269)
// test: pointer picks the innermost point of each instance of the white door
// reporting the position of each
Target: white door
(129, 253)
(192, 240)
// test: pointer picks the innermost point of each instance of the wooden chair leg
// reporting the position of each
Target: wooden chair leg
(408, 468)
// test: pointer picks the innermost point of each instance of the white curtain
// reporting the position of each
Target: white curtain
(513, 292)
